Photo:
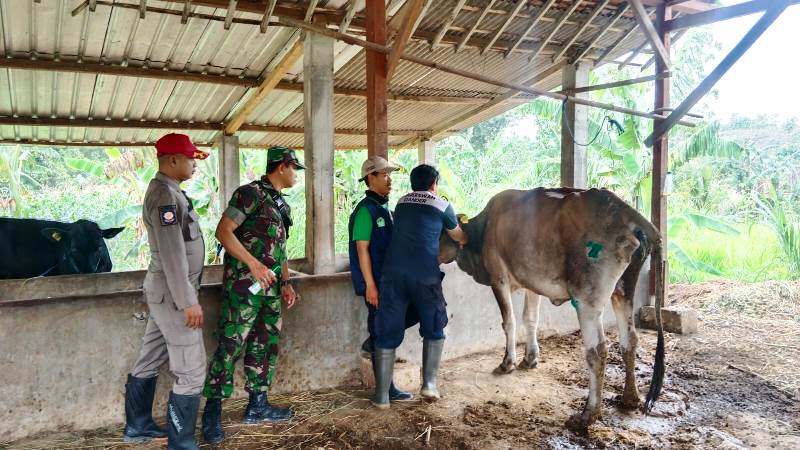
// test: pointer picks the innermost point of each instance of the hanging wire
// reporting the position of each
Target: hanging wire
(606, 120)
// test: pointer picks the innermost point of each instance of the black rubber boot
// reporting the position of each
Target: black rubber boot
(139, 425)
(212, 422)
(181, 421)
(398, 395)
(383, 366)
(431, 355)
(259, 410)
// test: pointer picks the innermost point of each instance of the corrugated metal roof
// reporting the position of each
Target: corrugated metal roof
(116, 35)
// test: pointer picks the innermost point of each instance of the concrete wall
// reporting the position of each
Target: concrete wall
(67, 343)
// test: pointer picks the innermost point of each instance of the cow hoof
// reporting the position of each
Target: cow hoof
(580, 422)
(631, 402)
(505, 368)
(528, 363)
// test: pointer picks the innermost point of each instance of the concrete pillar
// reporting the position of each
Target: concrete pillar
(574, 129)
(427, 152)
(228, 151)
(319, 147)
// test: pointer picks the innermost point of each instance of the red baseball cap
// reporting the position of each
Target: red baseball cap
(178, 144)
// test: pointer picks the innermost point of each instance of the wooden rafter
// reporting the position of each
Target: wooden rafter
(652, 59)
(723, 13)
(142, 8)
(563, 18)
(633, 55)
(230, 13)
(312, 5)
(92, 5)
(412, 13)
(351, 12)
(597, 10)
(643, 19)
(474, 27)
(616, 84)
(625, 35)
(448, 22)
(708, 83)
(538, 17)
(267, 14)
(267, 85)
(187, 6)
(511, 17)
(605, 29)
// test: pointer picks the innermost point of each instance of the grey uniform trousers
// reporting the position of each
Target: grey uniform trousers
(167, 337)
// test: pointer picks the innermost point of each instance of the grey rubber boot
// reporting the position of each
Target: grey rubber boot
(431, 355)
(383, 365)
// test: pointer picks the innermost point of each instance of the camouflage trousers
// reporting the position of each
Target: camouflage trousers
(249, 323)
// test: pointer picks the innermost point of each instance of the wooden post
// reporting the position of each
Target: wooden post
(658, 213)
(319, 147)
(377, 119)
(228, 153)
(574, 128)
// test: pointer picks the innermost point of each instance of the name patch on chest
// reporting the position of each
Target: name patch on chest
(168, 215)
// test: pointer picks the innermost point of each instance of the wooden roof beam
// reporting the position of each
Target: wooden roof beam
(722, 13)
(187, 5)
(229, 14)
(588, 46)
(609, 50)
(563, 18)
(267, 85)
(708, 83)
(616, 84)
(267, 14)
(600, 7)
(538, 17)
(673, 40)
(474, 27)
(643, 19)
(505, 25)
(348, 17)
(312, 5)
(413, 9)
(447, 23)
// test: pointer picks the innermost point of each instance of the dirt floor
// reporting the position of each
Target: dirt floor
(735, 384)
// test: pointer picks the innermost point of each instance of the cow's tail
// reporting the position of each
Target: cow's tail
(648, 234)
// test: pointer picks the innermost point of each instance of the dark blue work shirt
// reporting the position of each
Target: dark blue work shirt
(418, 222)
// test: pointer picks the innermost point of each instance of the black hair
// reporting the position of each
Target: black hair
(272, 166)
(423, 176)
(366, 178)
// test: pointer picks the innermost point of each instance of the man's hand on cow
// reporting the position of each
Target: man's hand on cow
(262, 274)
(463, 241)
(289, 295)
(372, 295)
(194, 316)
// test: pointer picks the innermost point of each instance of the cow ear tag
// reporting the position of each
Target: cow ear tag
(463, 218)
(56, 236)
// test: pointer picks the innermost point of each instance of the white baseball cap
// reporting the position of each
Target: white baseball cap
(376, 164)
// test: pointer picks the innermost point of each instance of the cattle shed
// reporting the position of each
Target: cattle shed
(322, 76)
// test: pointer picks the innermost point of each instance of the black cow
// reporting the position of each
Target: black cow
(32, 247)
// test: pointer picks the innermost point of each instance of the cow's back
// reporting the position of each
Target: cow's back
(24, 251)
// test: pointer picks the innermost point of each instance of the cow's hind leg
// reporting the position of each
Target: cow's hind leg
(531, 318)
(594, 345)
(502, 294)
(623, 309)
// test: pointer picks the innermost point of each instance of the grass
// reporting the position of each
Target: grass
(753, 255)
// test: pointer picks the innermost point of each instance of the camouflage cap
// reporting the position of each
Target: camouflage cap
(283, 154)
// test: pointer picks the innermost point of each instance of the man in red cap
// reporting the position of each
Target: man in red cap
(174, 330)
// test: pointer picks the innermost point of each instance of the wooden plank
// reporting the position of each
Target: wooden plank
(643, 19)
(267, 14)
(229, 14)
(723, 13)
(377, 87)
(312, 5)
(348, 18)
(616, 84)
(267, 85)
(470, 75)
(142, 8)
(633, 55)
(412, 13)
(474, 27)
(708, 83)
(446, 25)
(563, 18)
(92, 5)
(602, 32)
(625, 35)
(673, 40)
(514, 12)
(597, 10)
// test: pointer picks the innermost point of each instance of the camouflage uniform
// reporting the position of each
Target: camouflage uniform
(250, 322)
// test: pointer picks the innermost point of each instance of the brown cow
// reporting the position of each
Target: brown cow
(583, 246)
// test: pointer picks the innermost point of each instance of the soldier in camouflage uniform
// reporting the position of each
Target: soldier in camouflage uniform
(253, 230)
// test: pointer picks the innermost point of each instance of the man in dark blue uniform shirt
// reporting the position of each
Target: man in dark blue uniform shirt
(411, 275)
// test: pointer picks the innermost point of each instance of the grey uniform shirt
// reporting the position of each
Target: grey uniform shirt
(177, 250)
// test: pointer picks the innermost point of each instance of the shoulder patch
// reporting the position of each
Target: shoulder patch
(168, 214)
(424, 198)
